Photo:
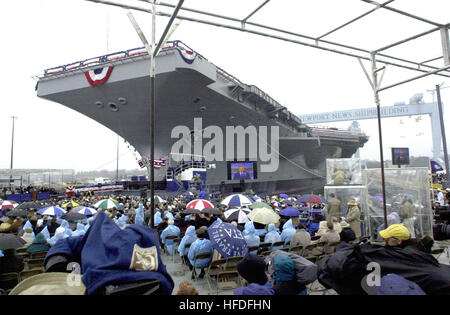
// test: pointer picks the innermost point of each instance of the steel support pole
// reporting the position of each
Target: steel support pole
(152, 119)
(12, 151)
(117, 160)
(444, 140)
(380, 136)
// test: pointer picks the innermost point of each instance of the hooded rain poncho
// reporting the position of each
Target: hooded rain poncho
(250, 236)
(288, 232)
(200, 246)
(272, 236)
(170, 230)
(188, 238)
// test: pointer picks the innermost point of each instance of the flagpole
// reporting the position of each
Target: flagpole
(152, 119)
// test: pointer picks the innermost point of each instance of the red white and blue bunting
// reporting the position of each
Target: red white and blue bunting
(98, 76)
(187, 55)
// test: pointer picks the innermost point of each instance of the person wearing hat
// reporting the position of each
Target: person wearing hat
(395, 235)
(347, 234)
(200, 246)
(354, 217)
(253, 269)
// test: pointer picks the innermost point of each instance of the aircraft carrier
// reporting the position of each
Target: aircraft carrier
(114, 90)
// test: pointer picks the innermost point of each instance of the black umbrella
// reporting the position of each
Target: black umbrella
(29, 205)
(10, 241)
(73, 216)
(17, 213)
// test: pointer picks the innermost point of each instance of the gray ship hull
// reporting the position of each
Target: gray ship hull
(185, 91)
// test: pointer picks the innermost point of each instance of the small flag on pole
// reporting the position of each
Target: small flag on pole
(436, 167)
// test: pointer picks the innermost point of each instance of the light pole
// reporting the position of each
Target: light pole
(12, 151)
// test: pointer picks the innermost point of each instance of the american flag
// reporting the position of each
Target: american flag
(159, 163)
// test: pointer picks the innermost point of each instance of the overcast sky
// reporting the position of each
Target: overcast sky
(45, 33)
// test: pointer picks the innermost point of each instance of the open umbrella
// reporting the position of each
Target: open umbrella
(205, 210)
(17, 213)
(73, 216)
(284, 196)
(29, 205)
(199, 204)
(10, 241)
(8, 204)
(158, 199)
(260, 205)
(290, 212)
(52, 210)
(237, 200)
(310, 199)
(263, 216)
(107, 204)
(84, 210)
(71, 203)
(239, 215)
(227, 239)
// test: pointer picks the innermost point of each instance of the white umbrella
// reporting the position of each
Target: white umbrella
(239, 215)
(52, 210)
(199, 204)
(237, 200)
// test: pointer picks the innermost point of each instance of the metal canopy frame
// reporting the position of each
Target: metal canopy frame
(374, 56)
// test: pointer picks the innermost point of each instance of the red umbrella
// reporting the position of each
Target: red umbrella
(199, 204)
(8, 204)
(311, 199)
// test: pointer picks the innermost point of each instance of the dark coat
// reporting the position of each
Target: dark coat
(105, 254)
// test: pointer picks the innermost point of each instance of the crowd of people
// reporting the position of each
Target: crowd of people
(324, 227)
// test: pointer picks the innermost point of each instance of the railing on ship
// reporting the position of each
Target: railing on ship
(116, 56)
(183, 162)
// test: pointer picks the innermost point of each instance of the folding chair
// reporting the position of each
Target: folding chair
(38, 255)
(35, 263)
(264, 247)
(10, 278)
(30, 272)
(176, 243)
(298, 249)
(253, 248)
(315, 238)
(265, 253)
(215, 268)
(200, 256)
(169, 237)
(186, 249)
(276, 244)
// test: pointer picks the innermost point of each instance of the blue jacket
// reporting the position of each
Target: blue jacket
(253, 289)
(139, 218)
(261, 232)
(79, 231)
(313, 226)
(157, 218)
(188, 238)
(65, 225)
(122, 221)
(105, 254)
(288, 232)
(170, 230)
(250, 236)
(273, 236)
(200, 246)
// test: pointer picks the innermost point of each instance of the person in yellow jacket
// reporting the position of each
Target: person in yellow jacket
(339, 177)
(354, 217)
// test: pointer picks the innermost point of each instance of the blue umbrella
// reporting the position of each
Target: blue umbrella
(85, 210)
(290, 212)
(54, 211)
(227, 239)
(284, 196)
(237, 200)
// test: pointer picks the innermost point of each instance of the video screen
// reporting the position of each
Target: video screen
(400, 156)
(241, 170)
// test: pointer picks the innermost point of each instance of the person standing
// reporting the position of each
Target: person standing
(354, 217)
(334, 207)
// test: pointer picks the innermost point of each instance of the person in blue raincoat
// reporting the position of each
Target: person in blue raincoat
(250, 236)
(46, 233)
(59, 235)
(188, 238)
(68, 231)
(157, 218)
(122, 222)
(80, 230)
(139, 218)
(173, 230)
(201, 246)
(273, 236)
(288, 232)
